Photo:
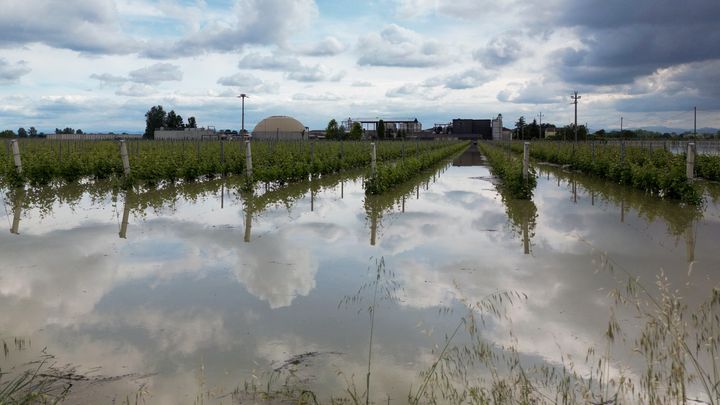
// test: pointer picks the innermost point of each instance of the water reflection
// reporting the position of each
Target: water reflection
(181, 293)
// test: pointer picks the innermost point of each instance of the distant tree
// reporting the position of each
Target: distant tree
(332, 131)
(154, 119)
(58, 131)
(32, 132)
(356, 131)
(533, 131)
(342, 132)
(519, 126)
(174, 121)
(68, 130)
(191, 123)
(7, 134)
(79, 131)
(22, 133)
(381, 129)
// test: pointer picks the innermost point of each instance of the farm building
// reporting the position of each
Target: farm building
(186, 134)
(279, 127)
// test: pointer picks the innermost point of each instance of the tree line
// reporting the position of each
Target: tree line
(33, 133)
(156, 118)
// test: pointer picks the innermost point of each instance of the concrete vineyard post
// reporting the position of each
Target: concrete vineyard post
(526, 160)
(312, 151)
(622, 151)
(373, 159)
(16, 155)
(248, 159)
(124, 157)
(690, 170)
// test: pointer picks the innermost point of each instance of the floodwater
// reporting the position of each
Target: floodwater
(185, 294)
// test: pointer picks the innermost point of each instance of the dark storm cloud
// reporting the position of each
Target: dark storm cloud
(677, 89)
(624, 40)
(500, 51)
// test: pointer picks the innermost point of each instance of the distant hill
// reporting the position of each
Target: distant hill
(679, 130)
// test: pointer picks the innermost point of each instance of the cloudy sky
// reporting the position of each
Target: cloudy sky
(100, 64)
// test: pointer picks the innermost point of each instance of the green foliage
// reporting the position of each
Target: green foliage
(46, 161)
(381, 129)
(192, 123)
(7, 134)
(356, 131)
(393, 173)
(509, 170)
(173, 121)
(657, 172)
(154, 119)
(332, 131)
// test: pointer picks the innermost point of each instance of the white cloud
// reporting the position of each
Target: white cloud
(468, 79)
(260, 22)
(317, 73)
(399, 47)
(135, 90)
(87, 26)
(248, 82)
(159, 72)
(329, 46)
(272, 61)
(316, 97)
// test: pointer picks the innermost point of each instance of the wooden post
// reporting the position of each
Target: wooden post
(592, 150)
(526, 160)
(622, 152)
(373, 159)
(312, 151)
(16, 154)
(690, 169)
(124, 157)
(248, 159)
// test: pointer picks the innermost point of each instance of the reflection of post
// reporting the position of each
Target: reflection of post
(248, 224)
(622, 209)
(373, 228)
(222, 196)
(312, 200)
(125, 219)
(342, 190)
(592, 198)
(17, 210)
(526, 234)
(574, 189)
(403, 204)
(417, 194)
(690, 243)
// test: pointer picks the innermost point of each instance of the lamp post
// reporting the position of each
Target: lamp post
(243, 97)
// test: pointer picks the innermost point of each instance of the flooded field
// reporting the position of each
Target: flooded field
(438, 292)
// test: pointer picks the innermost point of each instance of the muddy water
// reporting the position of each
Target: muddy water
(185, 294)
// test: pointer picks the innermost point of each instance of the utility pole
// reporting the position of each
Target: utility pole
(621, 126)
(243, 97)
(541, 136)
(695, 121)
(575, 98)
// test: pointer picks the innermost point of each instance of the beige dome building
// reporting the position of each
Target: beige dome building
(279, 127)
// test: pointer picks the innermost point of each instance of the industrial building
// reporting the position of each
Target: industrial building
(279, 127)
(475, 129)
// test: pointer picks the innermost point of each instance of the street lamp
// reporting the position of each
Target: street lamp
(243, 97)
